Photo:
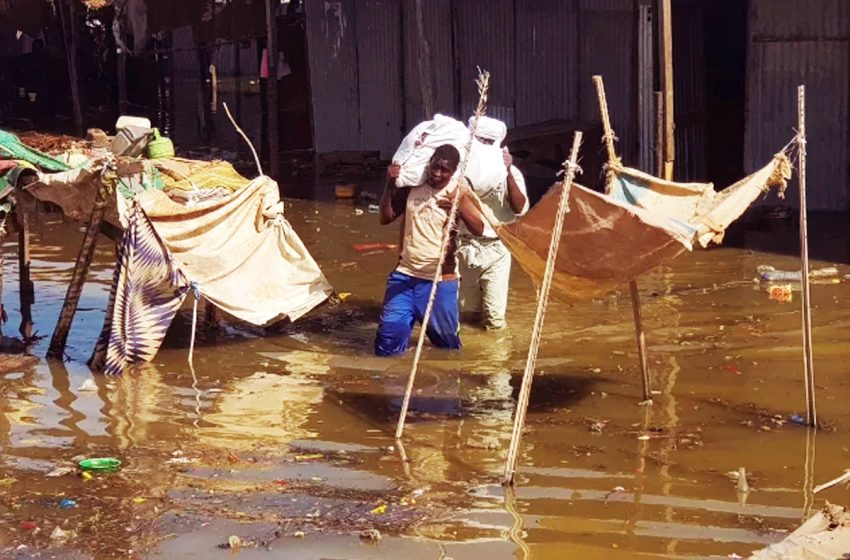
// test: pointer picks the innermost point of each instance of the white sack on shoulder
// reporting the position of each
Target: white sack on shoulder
(486, 169)
(418, 146)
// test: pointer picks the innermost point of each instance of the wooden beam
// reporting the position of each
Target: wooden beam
(665, 49)
(271, 89)
(56, 350)
(27, 291)
(658, 107)
(570, 168)
(808, 357)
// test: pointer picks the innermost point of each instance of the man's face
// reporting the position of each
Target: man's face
(440, 172)
(483, 140)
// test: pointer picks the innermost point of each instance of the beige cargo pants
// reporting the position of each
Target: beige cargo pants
(485, 276)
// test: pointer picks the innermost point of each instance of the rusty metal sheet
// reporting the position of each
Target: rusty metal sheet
(775, 69)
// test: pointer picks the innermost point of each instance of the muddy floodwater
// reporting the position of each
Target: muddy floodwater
(281, 445)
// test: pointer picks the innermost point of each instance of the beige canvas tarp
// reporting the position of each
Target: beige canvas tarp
(242, 253)
(611, 239)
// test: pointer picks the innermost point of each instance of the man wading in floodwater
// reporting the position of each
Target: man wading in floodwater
(425, 209)
(485, 263)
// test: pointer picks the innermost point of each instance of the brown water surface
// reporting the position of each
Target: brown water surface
(292, 432)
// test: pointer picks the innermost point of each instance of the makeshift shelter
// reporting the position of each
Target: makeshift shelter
(188, 226)
(611, 239)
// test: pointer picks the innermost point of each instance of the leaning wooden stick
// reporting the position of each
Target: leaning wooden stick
(570, 168)
(613, 160)
(483, 83)
(808, 358)
(835, 481)
(244, 137)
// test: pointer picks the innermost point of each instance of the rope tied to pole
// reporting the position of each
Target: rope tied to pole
(483, 83)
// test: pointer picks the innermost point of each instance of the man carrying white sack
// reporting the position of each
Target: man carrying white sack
(484, 261)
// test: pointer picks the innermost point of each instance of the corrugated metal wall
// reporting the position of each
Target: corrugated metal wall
(805, 43)
(437, 34)
(485, 38)
(689, 92)
(367, 55)
(546, 61)
(607, 40)
(334, 84)
(379, 66)
(187, 74)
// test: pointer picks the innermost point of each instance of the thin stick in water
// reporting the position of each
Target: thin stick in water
(483, 83)
(542, 301)
(808, 357)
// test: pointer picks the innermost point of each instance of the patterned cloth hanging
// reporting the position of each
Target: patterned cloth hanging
(148, 290)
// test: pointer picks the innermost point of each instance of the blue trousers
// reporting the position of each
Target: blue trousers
(404, 305)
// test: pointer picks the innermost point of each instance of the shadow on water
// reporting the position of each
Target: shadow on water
(776, 230)
(457, 395)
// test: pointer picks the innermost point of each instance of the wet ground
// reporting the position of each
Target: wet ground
(282, 446)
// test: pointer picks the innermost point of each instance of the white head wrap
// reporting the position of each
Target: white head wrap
(491, 129)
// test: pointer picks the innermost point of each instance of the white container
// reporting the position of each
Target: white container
(130, 141)
(125, 121)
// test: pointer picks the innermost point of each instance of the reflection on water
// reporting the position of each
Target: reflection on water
(599, 477)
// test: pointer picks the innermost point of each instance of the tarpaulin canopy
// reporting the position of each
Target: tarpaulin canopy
(238, 252)
(609, 240)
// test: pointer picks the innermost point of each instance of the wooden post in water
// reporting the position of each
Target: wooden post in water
(808, 355)
(633, 287)
(665, 50)
(271, 89)
(570, 167)
(56, 351)
(26, 289)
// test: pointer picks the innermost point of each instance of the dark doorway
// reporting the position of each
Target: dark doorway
(725, 25)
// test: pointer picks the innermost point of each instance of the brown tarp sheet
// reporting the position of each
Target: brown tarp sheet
(609, 240)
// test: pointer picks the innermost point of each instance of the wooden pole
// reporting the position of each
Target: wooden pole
(659, 134)
(542, 300)
(69, 36)
(633, 287)
(808, 357)
(121, 61)
(56, 350)
(666, 52)
(640, 335)
(271, 88)
(27, 291)
(608, 132)
(483, 83)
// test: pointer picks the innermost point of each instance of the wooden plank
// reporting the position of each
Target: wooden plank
(666, 53)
